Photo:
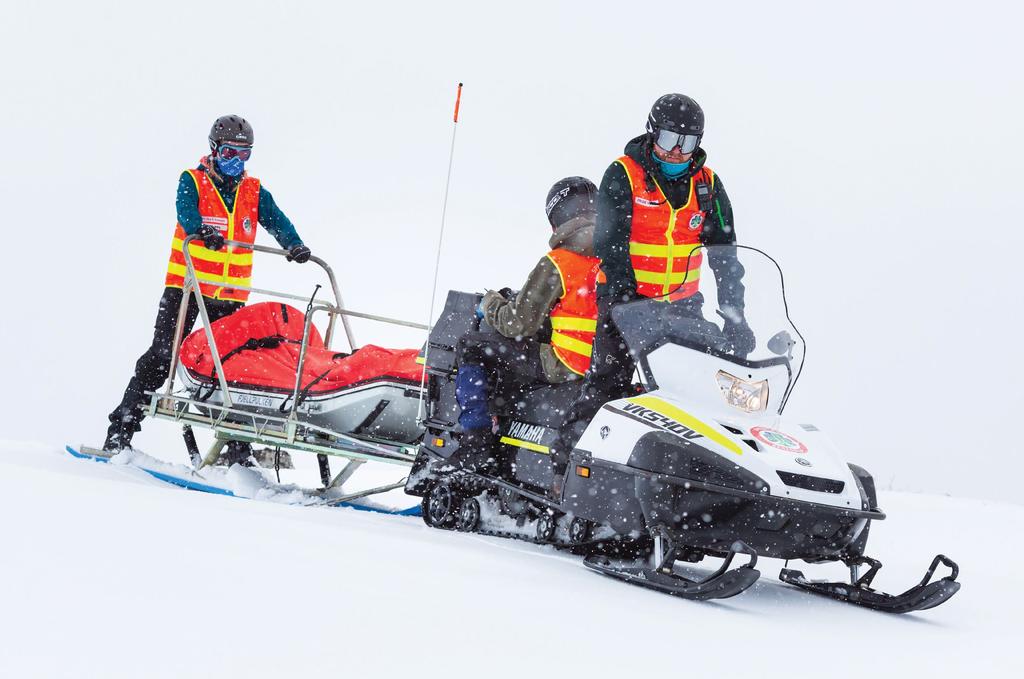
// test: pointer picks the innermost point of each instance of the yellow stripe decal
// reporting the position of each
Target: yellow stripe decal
(570, 323)
(571, 344)
(536, 447)
(668, 410)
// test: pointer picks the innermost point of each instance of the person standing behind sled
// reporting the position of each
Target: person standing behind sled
(559, 292)
(217, 201)
(657, 203)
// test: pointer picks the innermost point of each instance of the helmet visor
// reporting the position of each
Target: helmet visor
(668, 140)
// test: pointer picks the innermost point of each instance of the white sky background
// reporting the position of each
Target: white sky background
(873, 148)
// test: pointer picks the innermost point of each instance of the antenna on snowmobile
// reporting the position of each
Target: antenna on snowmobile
(437, 259)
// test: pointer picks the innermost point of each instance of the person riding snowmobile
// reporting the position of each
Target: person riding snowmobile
(657, 204)
(560, 294)
(216, 201)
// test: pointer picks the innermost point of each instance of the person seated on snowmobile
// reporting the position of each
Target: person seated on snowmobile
(657, 203)
(560, 291)
(216, 201)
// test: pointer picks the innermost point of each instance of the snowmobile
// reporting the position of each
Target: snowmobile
(698, 462)
(264, 375)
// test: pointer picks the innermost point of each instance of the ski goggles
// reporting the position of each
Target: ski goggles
(227, 152)
(668, 140)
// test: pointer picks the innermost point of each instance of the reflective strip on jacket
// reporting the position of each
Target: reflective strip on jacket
(574, 316)
(663, 239)
(230, 266)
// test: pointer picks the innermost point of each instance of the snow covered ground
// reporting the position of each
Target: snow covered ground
(108, 572)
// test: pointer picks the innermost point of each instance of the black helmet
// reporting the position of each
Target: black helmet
(231, 130)
(677, 113)
(569, 198)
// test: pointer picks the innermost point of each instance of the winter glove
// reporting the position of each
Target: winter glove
(492, 300)
(740, 338)
(299, 254)
(212, 239)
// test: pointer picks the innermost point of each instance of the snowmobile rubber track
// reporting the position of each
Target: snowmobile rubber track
(920, 597)
(591, 546)
(721, 584)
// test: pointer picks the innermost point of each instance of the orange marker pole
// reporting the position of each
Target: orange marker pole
(437, 259)
(458, 100)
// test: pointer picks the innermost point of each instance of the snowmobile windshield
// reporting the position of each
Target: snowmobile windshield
(730, 305)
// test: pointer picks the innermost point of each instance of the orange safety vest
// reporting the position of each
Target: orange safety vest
(231, 265)
(662, 239)
(574, 316)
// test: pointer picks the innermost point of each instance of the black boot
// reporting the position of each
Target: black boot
(124, 422)
(477, 451)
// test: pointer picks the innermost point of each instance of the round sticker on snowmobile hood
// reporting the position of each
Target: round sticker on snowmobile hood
(776, 439)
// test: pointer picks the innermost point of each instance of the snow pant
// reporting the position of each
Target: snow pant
(609, 377)
(152, 367)
(492, 367)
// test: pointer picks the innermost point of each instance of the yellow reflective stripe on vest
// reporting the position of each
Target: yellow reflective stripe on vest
(675, 279)
(576, 324)
(209, 278)
(199, 251)
(668, 283)
(571, 344)
(231, 258)
(650, 250)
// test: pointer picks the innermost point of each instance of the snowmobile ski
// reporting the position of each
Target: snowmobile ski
(922, 596)
(721, 584)
(182, 481)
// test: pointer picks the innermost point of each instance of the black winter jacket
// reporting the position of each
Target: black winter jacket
(615, 216)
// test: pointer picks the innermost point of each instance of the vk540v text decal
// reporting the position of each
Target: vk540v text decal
(656, 419)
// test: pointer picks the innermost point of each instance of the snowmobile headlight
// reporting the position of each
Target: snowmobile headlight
(739, 393)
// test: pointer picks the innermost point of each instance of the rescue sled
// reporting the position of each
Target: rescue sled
(371, 391)
(267, 377)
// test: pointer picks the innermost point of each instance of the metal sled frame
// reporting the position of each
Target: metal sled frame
(288, 432)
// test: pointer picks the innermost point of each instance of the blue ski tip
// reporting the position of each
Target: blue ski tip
(214, 490)
(85, 456)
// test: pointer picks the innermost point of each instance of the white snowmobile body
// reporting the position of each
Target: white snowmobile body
(704, 454)
(796, 461)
